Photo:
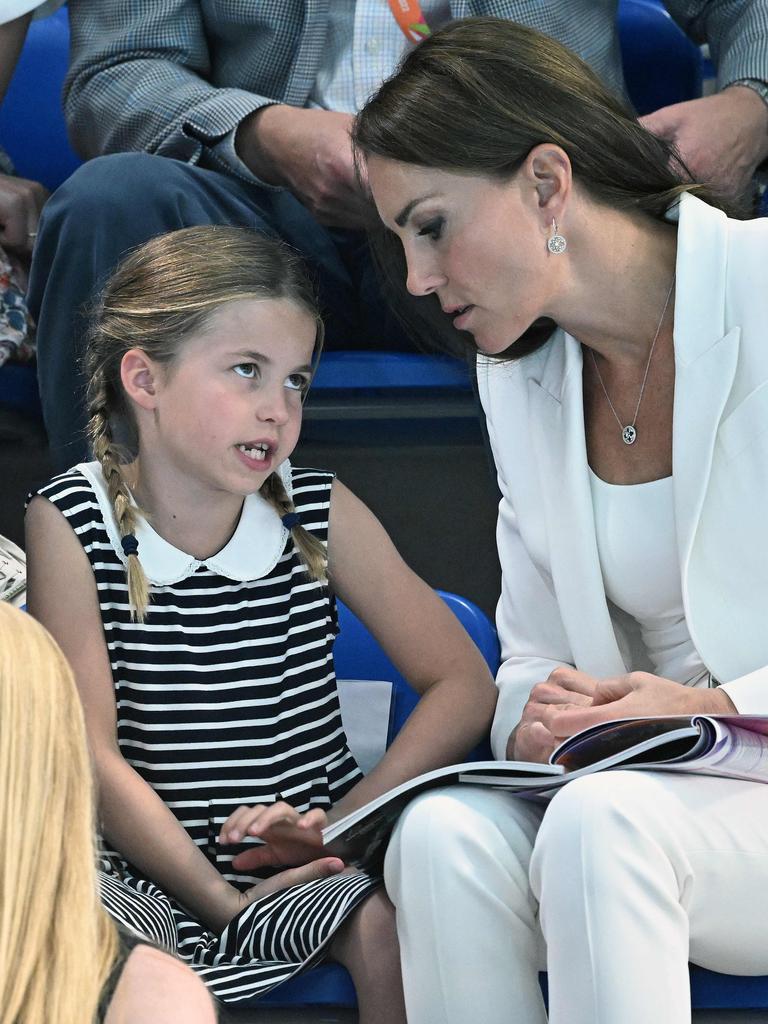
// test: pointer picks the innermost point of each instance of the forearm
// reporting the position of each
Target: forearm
(174, 113)
(450, 718)
(151, 79)
(12, 35)
(142, 829)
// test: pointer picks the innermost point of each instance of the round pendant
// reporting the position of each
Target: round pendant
(557, 244)
(629, 435)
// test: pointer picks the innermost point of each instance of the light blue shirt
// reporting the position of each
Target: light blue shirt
(363, 46)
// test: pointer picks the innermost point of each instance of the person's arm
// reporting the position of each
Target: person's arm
(62, 595)
(424, 640)
(723, 137)
(155, 988)
(20, 200)
(12, 36)
(140, 78)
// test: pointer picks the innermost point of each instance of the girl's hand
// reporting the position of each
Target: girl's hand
(235, 901)
(289, 837)
(638, 694)
(533, 739)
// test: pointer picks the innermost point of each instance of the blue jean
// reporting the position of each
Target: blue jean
(114, 203)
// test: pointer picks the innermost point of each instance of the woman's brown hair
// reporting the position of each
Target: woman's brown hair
(159, 295)
(475, 98)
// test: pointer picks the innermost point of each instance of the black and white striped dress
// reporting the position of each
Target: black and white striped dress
(226, 695)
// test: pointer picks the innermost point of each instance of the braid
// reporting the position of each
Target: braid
(108, 455)
(311, 549)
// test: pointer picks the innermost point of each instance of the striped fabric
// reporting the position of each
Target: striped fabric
(176, 76)
(226, 695)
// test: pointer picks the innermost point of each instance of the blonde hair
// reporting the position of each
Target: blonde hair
(159, 295)
(58, 944)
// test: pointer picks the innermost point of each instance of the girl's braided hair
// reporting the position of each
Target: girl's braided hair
(161, 293)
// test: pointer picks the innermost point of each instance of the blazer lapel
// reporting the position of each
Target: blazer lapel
(557, 427)
(705, 360)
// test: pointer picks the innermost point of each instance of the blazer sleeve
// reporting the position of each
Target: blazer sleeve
(531, 633)
(139, 80)
(750, 692)
(736, 31)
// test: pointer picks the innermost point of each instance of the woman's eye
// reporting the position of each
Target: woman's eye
(297, 382)
(432, 229)
(247, 370)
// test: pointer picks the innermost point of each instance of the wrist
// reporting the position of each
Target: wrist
(712, 701)
(218, 905)
(254, 142)
(752, 96)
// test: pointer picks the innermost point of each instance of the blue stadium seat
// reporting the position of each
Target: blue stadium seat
(661, 64)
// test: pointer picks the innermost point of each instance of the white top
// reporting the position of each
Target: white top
(11, 9)
(637, 545)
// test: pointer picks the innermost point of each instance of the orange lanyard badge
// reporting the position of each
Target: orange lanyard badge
(407, 14)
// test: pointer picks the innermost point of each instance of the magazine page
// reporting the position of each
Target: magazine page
(736, 747)
(627, 739)
(363, 831)
(731, 746)
(13, 573)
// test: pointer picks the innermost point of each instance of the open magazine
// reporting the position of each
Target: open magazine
(13, 573)
(734, 746)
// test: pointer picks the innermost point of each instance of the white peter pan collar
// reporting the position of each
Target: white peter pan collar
(252, 551)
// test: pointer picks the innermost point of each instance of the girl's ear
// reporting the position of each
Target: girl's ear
(547, 169)
(140, 376)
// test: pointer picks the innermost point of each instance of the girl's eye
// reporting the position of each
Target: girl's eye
(247, 370)
(432, 229)
(297, 382)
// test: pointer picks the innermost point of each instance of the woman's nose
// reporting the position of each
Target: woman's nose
(422, 279)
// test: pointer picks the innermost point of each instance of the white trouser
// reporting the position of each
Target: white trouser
(613, 887)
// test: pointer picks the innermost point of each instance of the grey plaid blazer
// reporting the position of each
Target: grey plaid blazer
(175, 76)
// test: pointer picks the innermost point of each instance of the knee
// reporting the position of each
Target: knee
(369, 942)
(595, 819)
(121, 189)
(457, 834)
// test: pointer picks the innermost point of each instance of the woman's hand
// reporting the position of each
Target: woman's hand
(534, 739)
(637, 694)
(290, 838)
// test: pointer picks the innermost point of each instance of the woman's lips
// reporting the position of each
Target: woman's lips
(461, 318)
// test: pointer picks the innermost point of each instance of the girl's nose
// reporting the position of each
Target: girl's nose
(273, 406)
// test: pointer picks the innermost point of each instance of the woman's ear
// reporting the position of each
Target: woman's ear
(547, 169)
(140, 375)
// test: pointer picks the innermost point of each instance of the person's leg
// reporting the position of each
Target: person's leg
(457, 871)
(638, 872)
(367, 946)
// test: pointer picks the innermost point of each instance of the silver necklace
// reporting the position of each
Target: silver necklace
(629, 432)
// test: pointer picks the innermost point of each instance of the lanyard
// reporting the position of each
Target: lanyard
(407, 14)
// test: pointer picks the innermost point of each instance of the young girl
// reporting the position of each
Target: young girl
(188, 579)
(63, 958)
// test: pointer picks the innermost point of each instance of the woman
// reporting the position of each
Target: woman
(619, 316)
(63, 959)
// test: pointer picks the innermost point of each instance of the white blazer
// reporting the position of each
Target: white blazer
(553, 608)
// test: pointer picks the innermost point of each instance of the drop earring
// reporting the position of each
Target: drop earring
(556, 243)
